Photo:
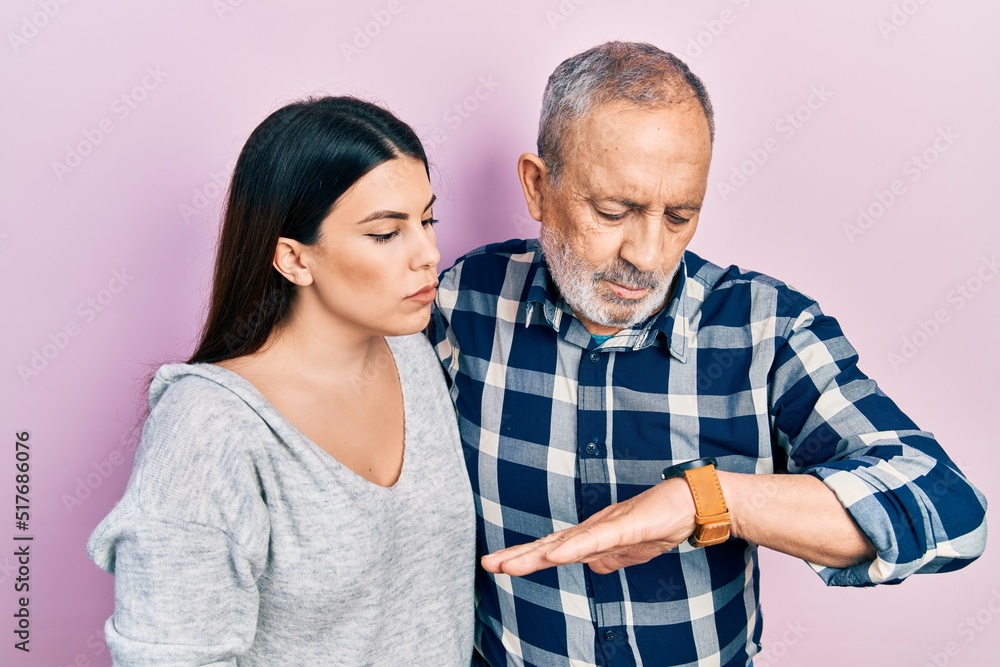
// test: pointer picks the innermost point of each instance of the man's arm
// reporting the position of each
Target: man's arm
(875, 499)
(797, 515)
(794, 514)
(895, 481)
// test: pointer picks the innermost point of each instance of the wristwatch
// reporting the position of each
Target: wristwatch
(710, 512)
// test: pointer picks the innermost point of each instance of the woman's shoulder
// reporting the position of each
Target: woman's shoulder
(204, 385)
(195, 463)
(203, 399)
(200, 436)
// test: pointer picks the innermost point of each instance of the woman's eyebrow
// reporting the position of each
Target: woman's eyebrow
(394, 215)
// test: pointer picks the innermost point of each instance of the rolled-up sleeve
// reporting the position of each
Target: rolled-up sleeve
(184, 593)
(905, 494)
(189, 539)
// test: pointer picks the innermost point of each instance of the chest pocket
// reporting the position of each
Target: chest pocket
(706, 406)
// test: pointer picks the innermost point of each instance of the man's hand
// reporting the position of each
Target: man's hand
(628, 533)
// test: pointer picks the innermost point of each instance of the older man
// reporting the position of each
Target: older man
(662, 416)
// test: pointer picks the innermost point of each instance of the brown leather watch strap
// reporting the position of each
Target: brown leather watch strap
(711, 513)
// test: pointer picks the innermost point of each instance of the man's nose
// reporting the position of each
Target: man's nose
(642, 245)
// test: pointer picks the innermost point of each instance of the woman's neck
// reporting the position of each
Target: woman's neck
(315, 351)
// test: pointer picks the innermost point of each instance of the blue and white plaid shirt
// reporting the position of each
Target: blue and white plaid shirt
(738, 366)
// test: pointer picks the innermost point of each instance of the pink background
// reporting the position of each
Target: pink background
(889, 89)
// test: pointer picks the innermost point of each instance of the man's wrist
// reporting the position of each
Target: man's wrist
(681, 513)
(733, 489)
(712, 523)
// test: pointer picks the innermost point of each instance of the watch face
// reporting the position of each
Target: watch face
(678, 469)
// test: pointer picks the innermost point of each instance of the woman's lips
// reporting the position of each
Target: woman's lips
(424, 296)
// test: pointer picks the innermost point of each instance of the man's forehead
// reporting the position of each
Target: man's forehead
(623, 152)
(623, 133)
(630, 185)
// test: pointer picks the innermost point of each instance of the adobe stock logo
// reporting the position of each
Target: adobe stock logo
(973, 626)
(88, 310)
(960, 296)
(713, 29)
(562, 13)
(459, 112)
(33, 24)
(527, 228)
(100, 471)
(363, 35)
(223, 7)
(121, 108)
(914, 168)
(208, 193)
(773, 654)
(899, 17)
(787, 126)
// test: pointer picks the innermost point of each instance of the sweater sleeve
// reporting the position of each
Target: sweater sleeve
(188, 541)
(897, 483)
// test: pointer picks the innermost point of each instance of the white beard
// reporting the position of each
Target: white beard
(578, 282)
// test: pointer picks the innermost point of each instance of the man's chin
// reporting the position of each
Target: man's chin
(613, 315)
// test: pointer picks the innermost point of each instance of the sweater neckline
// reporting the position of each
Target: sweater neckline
(275, 419)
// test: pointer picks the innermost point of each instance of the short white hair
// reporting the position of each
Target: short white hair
(631, 72)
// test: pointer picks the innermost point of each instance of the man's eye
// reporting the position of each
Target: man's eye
(611, 216)
(676, 219)
(383, 238)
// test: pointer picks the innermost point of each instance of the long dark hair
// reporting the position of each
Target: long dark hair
(291, 171)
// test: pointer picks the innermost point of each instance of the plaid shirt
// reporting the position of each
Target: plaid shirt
(738, 366)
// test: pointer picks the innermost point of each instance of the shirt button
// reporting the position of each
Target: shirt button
(595, 357)
(609, 636)
(591, 448)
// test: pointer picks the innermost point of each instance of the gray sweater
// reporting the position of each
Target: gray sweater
(241, 542)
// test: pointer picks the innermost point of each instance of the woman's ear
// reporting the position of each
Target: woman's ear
(288, 260)
(532, 173)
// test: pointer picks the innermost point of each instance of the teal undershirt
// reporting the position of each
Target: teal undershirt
(600, 339)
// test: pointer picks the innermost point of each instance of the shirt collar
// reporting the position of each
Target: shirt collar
(671, 324)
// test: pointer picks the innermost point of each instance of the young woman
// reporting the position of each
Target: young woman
(299, 495)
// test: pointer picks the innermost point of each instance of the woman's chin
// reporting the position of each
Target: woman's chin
(409, 324)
